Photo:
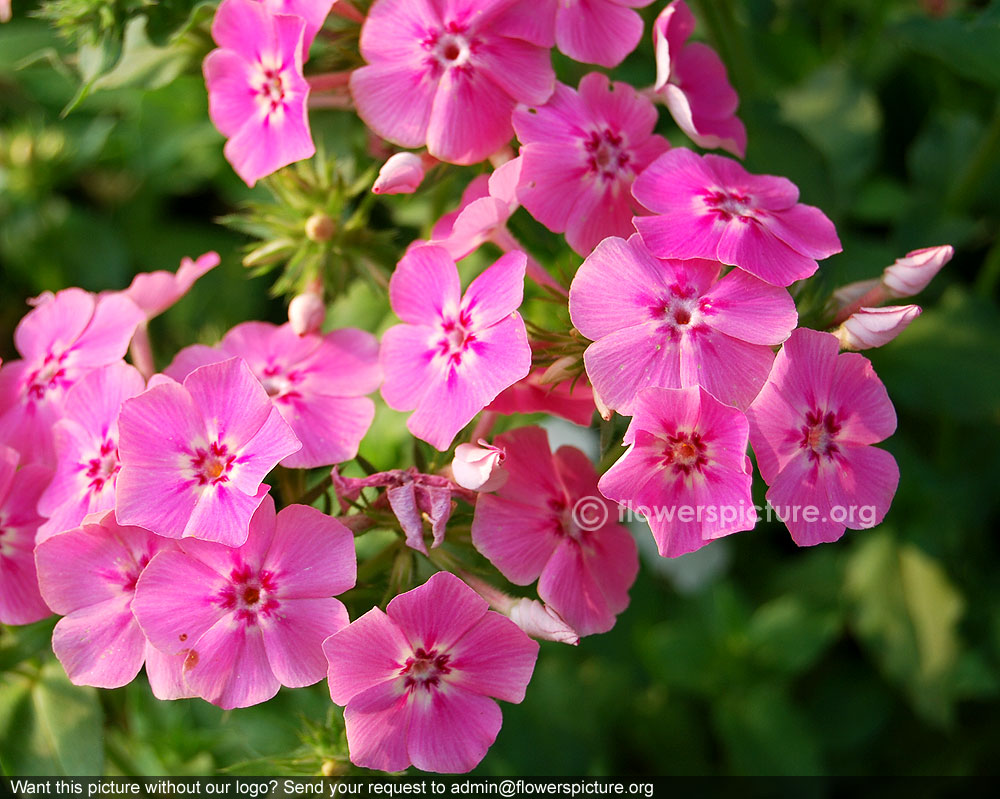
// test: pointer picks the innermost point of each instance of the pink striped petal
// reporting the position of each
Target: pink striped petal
(294, 635)
(228, 666)
(418, 614)
(471, 721)
(424, 286)
(100, 645)
(370, 651)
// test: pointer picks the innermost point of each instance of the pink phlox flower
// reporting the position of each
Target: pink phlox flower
(313, 13)
(316, 382)
(402, 173)
(873, 327)
(20, 601)
(88, 574)
(675, 324)
(410, 495)
(573, 402)
(487, 203)
(154, 292)
(708, 206)
(86, 441)
(812, 427)
(548, 522)
(686, 469)
(418, 682)
(250, 619)
(691, 80)
(581, 151)
(257, 95)
(60, 341)
(599, 32)
(448, 75)
(453, 354)
(479, 467)
(193, 456)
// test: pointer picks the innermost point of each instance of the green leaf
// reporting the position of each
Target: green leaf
(48, 726)
(787, 635)
(968, 47)
(765, 734)
(906, 611)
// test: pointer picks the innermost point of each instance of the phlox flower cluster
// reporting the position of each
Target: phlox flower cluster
(199, 522)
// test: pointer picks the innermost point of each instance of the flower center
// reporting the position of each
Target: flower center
(50, 375)
(424, 669)
(729, 204)
(451, 48)
(131, 574)
(819, 434)
(212, 466)
(102, 469)
(607, 155)
(278, 385)
(271, 89)
(685, 452)
(681, 312)
(249, 594)
(456, 337)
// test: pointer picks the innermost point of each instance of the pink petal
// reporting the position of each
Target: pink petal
(732, 370)
(558, 121)
(551, 174)
(231, 400)
(521, 70)
(420, 617)
(751, 246)
(228, 666)
(626, 361)
(294, 635)
(751, 310)
(394, 29)
(221, 514)
(864, 486)
(330, 428)
(806, 230)
(191, 358)
(597, 32)
(515, 537)
(701, 75)
(424, 286)
(100, 645)
(619, 105)
(470, 118)
(395, 100)
(243, 27)
(868, 413)
(497, 292)
(154, 292)
(370, 651)
(107, 336)
(54, 325)
(313, 12)
(231, 104)
(408, 360)
(599, 211)
(533, 479)
(266, 144)
(451, 729)
(311, 554)
(176, 601)
(377, 722)
(166, 674)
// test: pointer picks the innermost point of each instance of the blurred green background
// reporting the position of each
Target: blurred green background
(878, 654)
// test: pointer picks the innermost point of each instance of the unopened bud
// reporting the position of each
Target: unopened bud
(873, 327)
(604, 410)
(911, 274)
(565, 368)
(320, 227)
(479, 468)
(306, 313)
(401, 174)
(541, 621)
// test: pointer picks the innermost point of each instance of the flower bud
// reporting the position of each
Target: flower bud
(910, 275)
(306, 313)
(320, 227)
(401, 174)
(479, 468)
(541, 621)
(873, 327)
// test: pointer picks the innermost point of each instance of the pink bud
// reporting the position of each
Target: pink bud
(541, 621)
(306, 313)
(401, 174)
(910, 275)
(873, 327)
(479, 468)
